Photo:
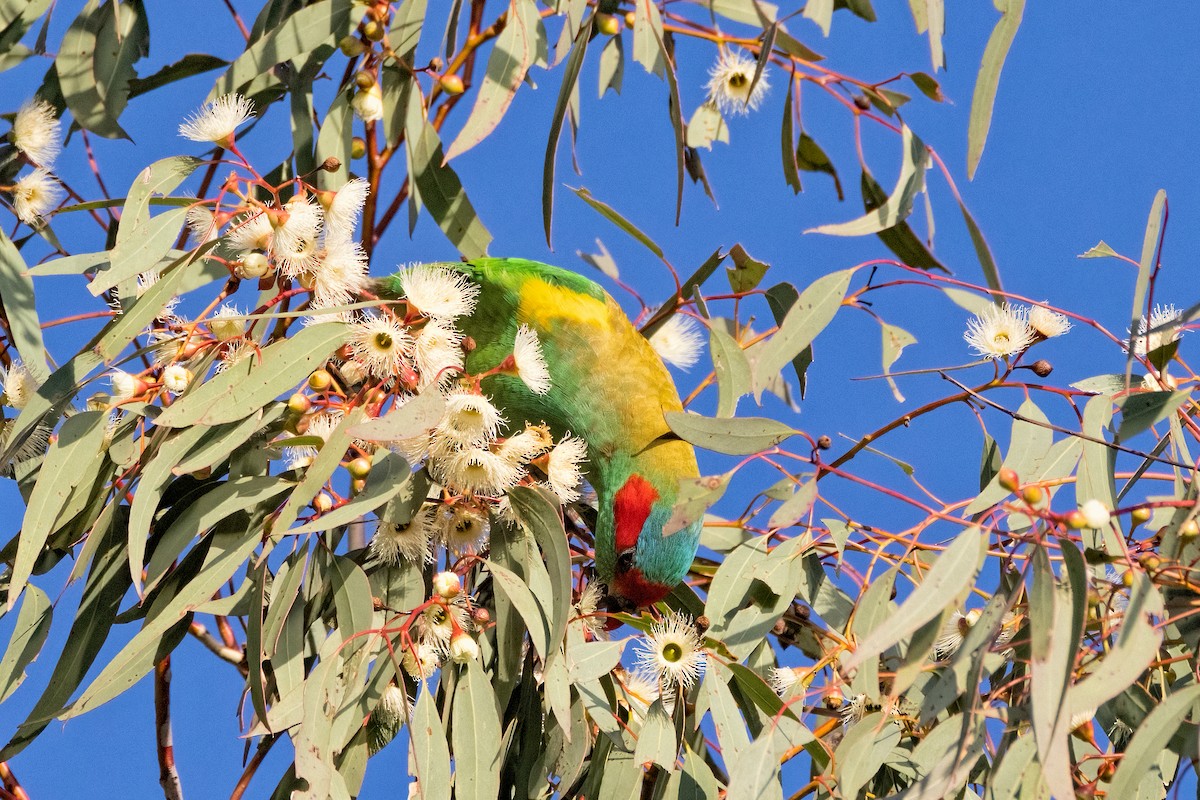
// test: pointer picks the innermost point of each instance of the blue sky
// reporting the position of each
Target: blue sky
(1094, 114)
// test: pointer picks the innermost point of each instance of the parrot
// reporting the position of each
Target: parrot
(608, 387)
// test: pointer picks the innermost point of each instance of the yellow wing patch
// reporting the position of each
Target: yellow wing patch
(544, 303)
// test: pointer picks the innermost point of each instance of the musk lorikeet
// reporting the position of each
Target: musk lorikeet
(609, 388)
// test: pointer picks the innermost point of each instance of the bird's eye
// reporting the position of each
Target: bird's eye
(625, 559)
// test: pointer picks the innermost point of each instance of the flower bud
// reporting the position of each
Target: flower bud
(1140, 516)
(1033, 495)
(320, 380)
(359, 468)
(373, 30)
(176, 378)
(1149, 561)
(463, 648)
(447, 584)
(1189, 529)
(351, 46)
(225, 328)
(451, 84)
(358, 147)
(607, 24)
(368, 104)
(251, 265)
(1009, 479)
(322, 503)
(364, 79)
(1075, 520)
(630, 18)
(299, 403)
(1095, 515)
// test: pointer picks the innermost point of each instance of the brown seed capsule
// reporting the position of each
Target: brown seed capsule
(862, 101)
(824, 443)
(480, 616)
(779, 628)
(331, 164)
(800, 610)
(703, 623)
(1041, 367)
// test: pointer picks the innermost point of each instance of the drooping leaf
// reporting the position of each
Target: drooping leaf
(988, 80)
(518, 47)
(899, 203)
(28, 635)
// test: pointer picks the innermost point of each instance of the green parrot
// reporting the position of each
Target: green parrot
(609, 388)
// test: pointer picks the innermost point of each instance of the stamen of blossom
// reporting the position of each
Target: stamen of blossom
(954, 631)
(381, 344)
(672, 652)
(464, 530)
(438, 352)
(341, 218)
(562, 468)
(678, 341)
(295, 241)
(35, 445)
(224, 325)
(438, 292)
(17, 384)
(530, 363)
(340, 274)
(1048, 323)
(526, 445)
(35, 132)
(217, 120)
(478, 470)
(784, 678)
(176, 378)
(1166, 330)
(251, 232)
(35, 195)
(729, 83)
(999, 332)
(469, 419)
(201, 224)
(588, 609)
(421, 660)
(438, 622)
(409, 541)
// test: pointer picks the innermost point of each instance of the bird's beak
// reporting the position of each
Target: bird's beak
(616, 604)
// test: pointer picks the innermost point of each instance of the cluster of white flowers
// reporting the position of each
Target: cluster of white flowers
(1006, 330)
(35, 134)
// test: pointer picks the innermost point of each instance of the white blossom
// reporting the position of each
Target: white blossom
(294, 243)
(562, 468)
(438, 352)
(1162, 329)
(438, 292)
(367, 104)
(1095, 514)
(217, 120)
(529, 361)
(341, 218)
(176, 378)
(340, 275)
(729, 83)
(999, 332)
(1048, 323)
(35, 195)
(678, 341)
(409, 541)
(17, 384)
(672, 652)
(381, 344)
(35, 132)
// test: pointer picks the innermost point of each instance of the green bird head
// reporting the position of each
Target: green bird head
(634, 559)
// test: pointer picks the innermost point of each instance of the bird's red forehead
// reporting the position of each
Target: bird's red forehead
(631, 506)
